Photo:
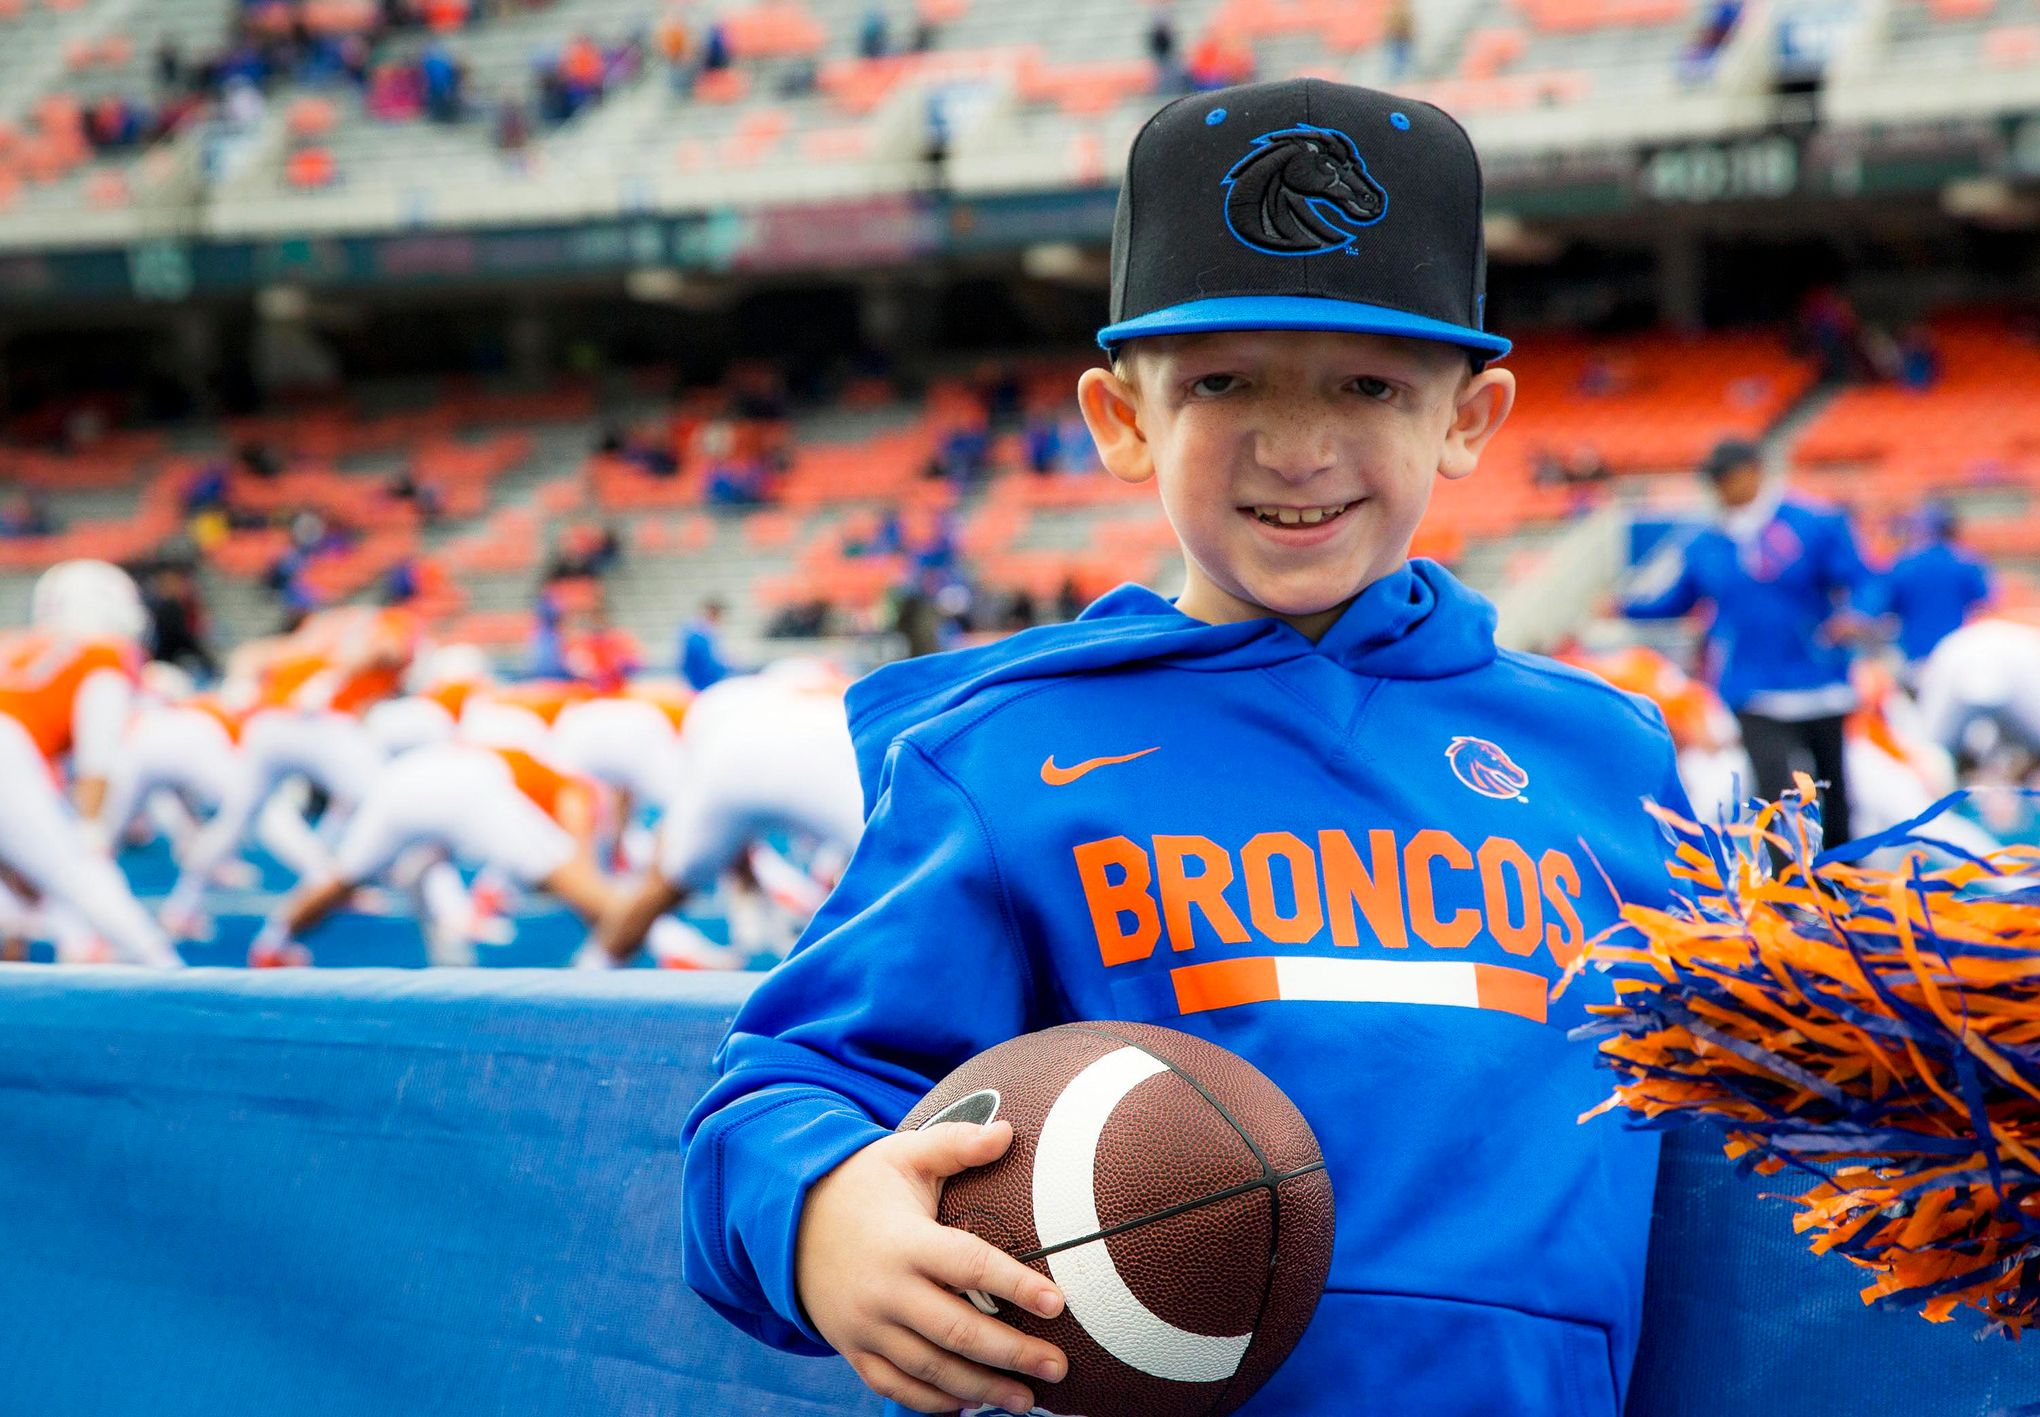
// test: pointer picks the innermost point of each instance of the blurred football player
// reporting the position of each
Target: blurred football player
(66, 685)
(757, 753)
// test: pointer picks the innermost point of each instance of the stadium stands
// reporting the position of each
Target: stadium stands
(855, 505)
(1035, 97)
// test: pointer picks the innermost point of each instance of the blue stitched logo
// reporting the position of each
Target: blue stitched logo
(1302, 191)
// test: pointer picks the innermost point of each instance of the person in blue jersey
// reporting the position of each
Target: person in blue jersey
(1789, 595)
(1307, 810)
(1934, 587)
(701, 662)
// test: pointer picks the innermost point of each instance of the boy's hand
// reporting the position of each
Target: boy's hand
(880, 1278)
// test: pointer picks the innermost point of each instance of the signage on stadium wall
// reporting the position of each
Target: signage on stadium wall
(888, 230)
(1744, 169)
(874, 231)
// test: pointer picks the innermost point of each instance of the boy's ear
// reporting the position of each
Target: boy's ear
(1478, 413)
(1111, 409)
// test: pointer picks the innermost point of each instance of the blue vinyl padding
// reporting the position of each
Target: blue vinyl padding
(416, 1193)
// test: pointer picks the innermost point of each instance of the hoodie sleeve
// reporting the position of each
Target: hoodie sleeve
(913, 965)
(1848, 572)
(1654, 598)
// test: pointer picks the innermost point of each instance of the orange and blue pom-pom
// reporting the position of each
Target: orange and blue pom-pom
(1875, 1031)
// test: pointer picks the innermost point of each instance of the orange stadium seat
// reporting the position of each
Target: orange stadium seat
(836, 145)
(310, 117)
(773, 29)
(1962, 426)
(492, 629)
(310, 167)
(2012, 46)
(1491, 49)
(107, 189)
(723, 86)
(1960, 9)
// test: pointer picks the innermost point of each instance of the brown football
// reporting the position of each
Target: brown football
(1173, 1193)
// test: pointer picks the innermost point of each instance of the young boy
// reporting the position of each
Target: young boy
(1307, 811)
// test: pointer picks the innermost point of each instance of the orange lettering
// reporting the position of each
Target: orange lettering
(1205, 890)
(1498, 855)
(1110, 900)
(1378, 893)
(1425, 847)
(1561, 888)
(1303, 885)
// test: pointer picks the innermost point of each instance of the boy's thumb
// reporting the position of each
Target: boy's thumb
(950, 1147)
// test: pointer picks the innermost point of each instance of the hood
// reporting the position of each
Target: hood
(1418, 622)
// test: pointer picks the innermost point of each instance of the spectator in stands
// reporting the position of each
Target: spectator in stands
(177, 619)
(874, 41)
(1020, 613)
(914, 615)
(964, 454)
(1830, 328)
(243, 103)
(513, 131)
(169, 64)
(404, 486)
(1161, 45)
(1788, 591)
(676, 48)
(1220, 59)
(585, 552)
(1069, 601)
(715, 48)
(440, 74)
(259, 461)
(26, 513)
(701, 660)
(1720, 22)
(580, 67)
(597, 652)
(1398, 37)
(1041, 443)
(1918, 360)
(207, 488)
(803, 620)
(1935, 587)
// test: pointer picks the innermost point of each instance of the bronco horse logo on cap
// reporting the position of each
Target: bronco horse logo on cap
(1302, 191)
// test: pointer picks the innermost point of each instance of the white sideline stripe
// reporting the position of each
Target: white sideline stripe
(1066, 1207)
(1376, 981)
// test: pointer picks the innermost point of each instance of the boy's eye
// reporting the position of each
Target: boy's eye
(1367, 386)
(1214, 384)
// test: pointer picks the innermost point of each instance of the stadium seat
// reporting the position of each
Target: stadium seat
(2012, 46)
(310, 167)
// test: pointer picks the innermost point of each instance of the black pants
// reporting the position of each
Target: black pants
(1779, 746)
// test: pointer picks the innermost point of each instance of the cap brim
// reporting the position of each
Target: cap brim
(1298, 312)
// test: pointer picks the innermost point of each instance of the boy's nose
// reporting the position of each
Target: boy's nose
(1295, 453)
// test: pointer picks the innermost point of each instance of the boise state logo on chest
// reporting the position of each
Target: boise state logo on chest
(1302, 191)
(1486, 768)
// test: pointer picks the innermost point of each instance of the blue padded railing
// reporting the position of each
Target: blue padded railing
(405, 1193)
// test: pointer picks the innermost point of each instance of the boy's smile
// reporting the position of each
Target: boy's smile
(1294, 466)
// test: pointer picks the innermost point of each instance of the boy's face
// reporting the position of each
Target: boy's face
(1293, 465)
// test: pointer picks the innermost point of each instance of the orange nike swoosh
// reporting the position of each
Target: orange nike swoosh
(1063, 777)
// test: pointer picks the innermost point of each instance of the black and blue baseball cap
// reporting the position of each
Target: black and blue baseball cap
(1301, 205)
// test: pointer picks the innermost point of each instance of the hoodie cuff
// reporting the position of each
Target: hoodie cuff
(768, 1162)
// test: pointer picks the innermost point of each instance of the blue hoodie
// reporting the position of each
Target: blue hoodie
(1773, 592)
(1932, 592)
(1278, 845)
